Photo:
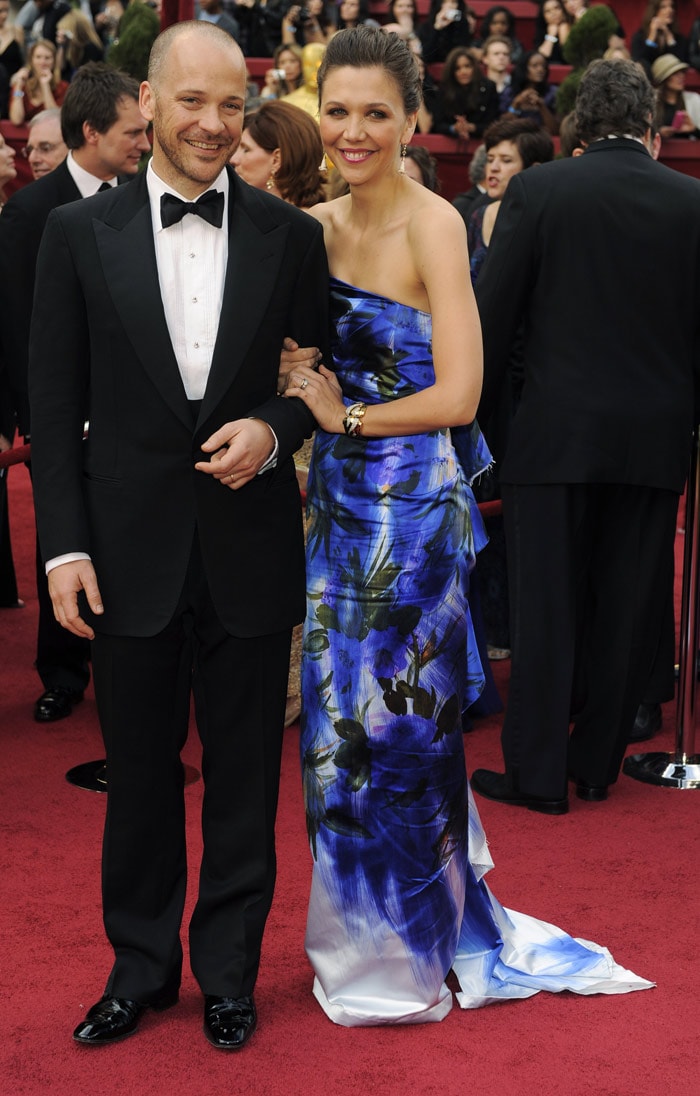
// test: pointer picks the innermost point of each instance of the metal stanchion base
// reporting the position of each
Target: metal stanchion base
(92, 775)
(664, 769)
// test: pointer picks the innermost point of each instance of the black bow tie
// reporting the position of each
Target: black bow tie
(210, 206)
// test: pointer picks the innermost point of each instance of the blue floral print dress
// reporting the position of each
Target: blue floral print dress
(389, 664)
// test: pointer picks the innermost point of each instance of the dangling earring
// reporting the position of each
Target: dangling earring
(323, 166)
(271, 181)
(402, 161)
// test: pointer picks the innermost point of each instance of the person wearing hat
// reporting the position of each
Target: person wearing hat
(677, 110)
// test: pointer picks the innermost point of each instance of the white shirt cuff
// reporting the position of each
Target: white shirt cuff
(69, 557)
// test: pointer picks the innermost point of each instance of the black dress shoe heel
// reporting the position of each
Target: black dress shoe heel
(229, 1022)
(115, 1018)
(496, 786)
(591, 793)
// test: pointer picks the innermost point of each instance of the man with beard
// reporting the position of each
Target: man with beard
(173, 535)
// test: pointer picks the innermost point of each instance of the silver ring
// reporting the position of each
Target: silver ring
(304, 383)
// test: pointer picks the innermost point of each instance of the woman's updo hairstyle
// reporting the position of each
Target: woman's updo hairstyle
(370, 47)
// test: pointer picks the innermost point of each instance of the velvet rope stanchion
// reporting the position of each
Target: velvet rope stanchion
(681, 769)
(20, 455)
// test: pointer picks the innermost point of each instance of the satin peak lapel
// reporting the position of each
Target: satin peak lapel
(127, 253)
(254, 258)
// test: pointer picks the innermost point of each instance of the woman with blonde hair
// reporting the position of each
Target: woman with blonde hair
(77, 42)
(281, 152)
(37, 85)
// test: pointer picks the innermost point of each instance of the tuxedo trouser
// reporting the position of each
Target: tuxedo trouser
(143, 686)
(590, 571)
(8, 581)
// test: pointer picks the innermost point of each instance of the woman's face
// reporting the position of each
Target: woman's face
(291, 65)
(536, 69)
(552, 12)
(254, 164)
(499, 24)
(350, 10)
(666, 11)
(403, 8)
(363, 123)
(573, 7)
(314, 7)
(676, 82)
(42, 60)
(463, 70)
(4, 12)
(7, 162)
(503, 161)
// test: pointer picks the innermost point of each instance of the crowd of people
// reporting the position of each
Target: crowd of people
(300, 275)
(473, 69)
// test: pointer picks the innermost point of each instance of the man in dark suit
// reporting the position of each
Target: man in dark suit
(477, 196)
(106, 134)
(179, 519)
(599, 257)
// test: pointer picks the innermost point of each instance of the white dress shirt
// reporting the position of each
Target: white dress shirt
(191, 258)
(87, 184)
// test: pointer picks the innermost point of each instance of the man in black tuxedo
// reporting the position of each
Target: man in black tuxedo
(106, 135)
(599, 257)
(179, 519)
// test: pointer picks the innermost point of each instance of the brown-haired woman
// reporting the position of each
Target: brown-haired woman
(281, 152)
(37, 85)
(286, 75)
(467, 101)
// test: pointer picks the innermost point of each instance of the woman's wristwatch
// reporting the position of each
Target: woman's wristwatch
(352, 422)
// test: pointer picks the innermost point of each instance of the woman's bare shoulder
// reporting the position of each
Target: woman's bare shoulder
(434, 219)
(330, 213)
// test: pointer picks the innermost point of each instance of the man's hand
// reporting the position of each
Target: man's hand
(292, 354)
(64, 583)
(239, 449)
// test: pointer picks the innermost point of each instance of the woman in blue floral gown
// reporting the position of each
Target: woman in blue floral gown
(389, 660)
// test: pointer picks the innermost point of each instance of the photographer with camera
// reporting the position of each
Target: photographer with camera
(308, 23)
(446, 28)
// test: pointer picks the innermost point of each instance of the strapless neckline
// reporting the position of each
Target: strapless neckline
(377, 296)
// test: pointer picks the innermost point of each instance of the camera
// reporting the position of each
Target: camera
(279, 74)
(454, 15)
(304, 15)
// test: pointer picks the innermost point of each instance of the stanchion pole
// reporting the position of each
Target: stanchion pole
(681, 769)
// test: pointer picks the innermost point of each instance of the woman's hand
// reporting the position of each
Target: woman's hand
(321, 392)
(292, 355)
(463, 128)
(528, 99)
(20, 78)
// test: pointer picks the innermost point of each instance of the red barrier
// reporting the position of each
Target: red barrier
(19, 455)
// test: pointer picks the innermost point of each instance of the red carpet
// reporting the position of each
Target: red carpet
(624, 873)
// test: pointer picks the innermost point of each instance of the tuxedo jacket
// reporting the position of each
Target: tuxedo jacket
(21, 228)
(100, 352)
(599, 258)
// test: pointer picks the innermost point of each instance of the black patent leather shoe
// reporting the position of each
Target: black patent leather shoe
(229, 1022)
(647, 722)
(496, 786)
(56, 704)
(114, 1018)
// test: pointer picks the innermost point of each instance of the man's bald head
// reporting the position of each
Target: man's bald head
(191, 28)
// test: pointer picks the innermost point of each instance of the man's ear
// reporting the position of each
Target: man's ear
(90, 134)
(146, 100)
